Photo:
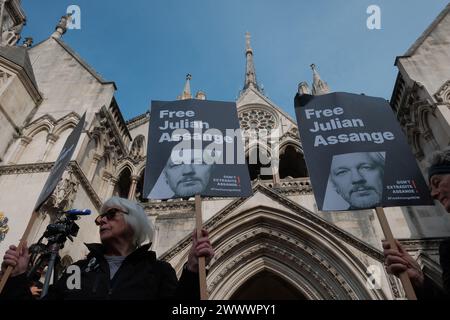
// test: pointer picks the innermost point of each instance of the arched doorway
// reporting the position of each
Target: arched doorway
(267, 286)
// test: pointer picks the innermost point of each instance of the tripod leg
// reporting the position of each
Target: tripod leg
(50, 269)
(35, 267)
(56, 269)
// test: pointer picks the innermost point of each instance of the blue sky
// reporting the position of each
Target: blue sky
(148, 46)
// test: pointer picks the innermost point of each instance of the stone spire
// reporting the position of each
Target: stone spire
(61, 28)
(319, 87)
(250, 73)
(187, 89)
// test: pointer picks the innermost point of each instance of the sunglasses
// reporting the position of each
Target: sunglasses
(110, 214)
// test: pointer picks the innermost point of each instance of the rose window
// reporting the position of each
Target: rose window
(255, 119)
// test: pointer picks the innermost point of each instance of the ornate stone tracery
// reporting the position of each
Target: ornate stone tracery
(262, 245)
(63, 195)
(257, 118)
(443, 94)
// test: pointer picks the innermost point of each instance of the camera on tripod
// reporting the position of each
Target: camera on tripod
(56, 234)
(63, 228)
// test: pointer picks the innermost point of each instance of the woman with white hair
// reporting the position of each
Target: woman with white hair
(120, 267)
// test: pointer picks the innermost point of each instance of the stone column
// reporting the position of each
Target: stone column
(275, 166)
(51, 139)
(275, 176)
(95, 160)
(132, 192)
(112, 183)
(24, 141)
(103, 190)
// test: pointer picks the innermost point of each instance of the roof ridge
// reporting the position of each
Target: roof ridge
(136, 118)
(427, 31)
(77, 57)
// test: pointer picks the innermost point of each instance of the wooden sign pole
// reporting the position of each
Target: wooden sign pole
(8, 271)
(201, 260)
(406, 282)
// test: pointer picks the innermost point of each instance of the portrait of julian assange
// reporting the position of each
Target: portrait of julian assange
(355, 181)
(186, 173)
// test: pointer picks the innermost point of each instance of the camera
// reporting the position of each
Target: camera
(63, 228)
(56, 234)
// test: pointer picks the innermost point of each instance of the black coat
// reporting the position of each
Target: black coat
(429, 289)
(140, 277)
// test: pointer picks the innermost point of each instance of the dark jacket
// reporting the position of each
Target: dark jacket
(429, 290)
(141, 276)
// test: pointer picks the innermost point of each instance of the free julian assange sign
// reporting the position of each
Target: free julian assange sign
(356, 154)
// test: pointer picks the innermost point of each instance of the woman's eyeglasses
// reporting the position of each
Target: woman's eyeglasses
(110, 214)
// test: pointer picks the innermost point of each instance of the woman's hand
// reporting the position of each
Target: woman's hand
(17, 259)
(201, 247)
(398, 261)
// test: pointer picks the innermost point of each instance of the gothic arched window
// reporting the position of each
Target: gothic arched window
(34, 151)
(122, 188)
(292, 163)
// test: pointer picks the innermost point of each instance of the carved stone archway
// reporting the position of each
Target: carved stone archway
(266, 243)
(311, 255)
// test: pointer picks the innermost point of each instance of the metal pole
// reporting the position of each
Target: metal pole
(50, 268)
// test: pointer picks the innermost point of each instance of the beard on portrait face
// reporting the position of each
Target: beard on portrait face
(361, 201)
(186, 191)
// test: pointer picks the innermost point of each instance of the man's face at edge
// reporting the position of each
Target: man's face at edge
(440, 189)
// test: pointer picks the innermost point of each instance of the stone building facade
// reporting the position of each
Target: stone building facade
(275, 244)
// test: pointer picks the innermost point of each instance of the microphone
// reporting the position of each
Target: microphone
(77, 212)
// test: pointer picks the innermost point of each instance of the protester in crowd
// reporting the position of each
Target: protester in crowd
(398, 261)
